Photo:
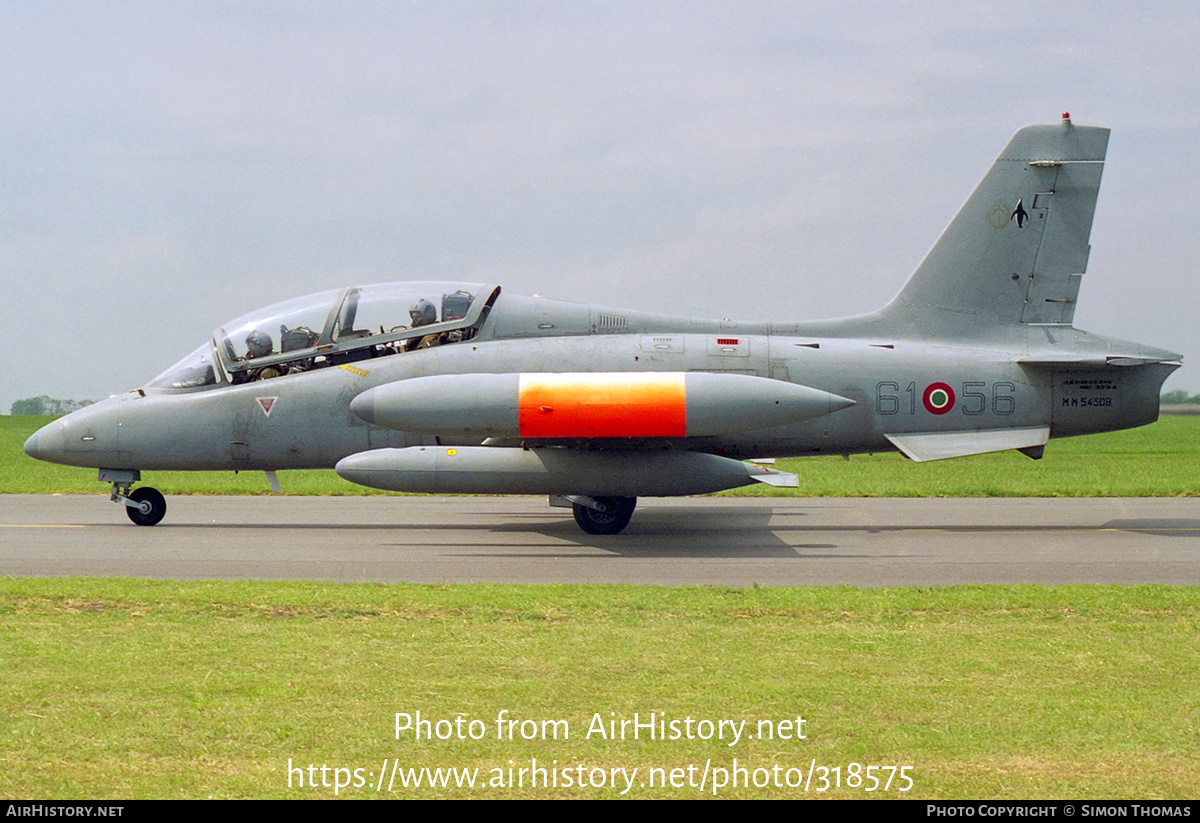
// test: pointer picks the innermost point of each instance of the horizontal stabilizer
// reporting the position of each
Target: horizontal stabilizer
(1093, 360)
(923, 447)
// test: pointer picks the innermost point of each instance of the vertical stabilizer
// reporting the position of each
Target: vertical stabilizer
(1017, 249)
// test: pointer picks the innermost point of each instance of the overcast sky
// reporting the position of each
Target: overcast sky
(168, 166)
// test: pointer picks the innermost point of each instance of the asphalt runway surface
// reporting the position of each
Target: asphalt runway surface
(712, 541)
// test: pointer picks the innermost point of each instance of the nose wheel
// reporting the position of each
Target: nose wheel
(146, 506)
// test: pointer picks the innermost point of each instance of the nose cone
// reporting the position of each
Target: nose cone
(31, 446)
(47, 443)
(88, 437)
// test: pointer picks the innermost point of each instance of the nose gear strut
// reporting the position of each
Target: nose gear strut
(145, 507)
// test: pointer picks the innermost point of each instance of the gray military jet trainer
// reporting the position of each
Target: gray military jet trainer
(461, 388)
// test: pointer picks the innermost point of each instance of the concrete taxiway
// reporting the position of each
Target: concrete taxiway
(721, 541)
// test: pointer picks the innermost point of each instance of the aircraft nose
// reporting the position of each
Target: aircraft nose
(87, 437)
(31, 446)
(47, 443)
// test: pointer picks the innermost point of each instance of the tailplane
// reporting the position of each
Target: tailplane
(1017, 250)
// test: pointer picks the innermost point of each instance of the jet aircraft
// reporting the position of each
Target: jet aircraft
(466, 388)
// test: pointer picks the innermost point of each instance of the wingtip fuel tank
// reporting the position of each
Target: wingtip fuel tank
(592, 405)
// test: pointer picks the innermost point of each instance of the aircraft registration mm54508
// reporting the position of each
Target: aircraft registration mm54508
(450, 388)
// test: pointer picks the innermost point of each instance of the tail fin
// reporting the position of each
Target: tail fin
(1018, 248)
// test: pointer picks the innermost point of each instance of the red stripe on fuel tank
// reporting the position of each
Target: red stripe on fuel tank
(602, 405)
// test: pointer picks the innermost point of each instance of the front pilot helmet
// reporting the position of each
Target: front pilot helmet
(422, 313)
(258, 344)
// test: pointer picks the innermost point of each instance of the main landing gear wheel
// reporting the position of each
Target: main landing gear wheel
(152, 501)
(614, 518)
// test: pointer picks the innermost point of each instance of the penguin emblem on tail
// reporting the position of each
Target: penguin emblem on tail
(1019, 214)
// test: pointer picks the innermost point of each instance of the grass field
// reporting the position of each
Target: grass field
(1154, 461)
(119, 688)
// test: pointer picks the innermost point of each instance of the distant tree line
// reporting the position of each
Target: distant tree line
(48, 405)
(1174, 398)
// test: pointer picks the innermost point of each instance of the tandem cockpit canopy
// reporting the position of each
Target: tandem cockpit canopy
(334, 328)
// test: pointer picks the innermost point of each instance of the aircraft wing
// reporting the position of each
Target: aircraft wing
(923, 447)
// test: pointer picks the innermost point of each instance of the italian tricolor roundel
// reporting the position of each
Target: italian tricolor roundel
(938, 398)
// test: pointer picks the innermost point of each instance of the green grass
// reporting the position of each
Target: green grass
(1154, 461)
(128, 688)
(1159, 460)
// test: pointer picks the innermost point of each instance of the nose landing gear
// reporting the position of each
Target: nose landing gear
(145, 506)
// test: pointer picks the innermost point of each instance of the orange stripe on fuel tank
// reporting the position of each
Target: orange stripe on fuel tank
(602, 405)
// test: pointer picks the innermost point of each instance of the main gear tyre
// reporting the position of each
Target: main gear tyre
(614, 518)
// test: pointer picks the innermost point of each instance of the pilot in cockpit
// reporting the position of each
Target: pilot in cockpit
(423, 313)
(259, 344)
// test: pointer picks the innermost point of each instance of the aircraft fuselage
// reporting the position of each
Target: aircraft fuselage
(304, 421)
